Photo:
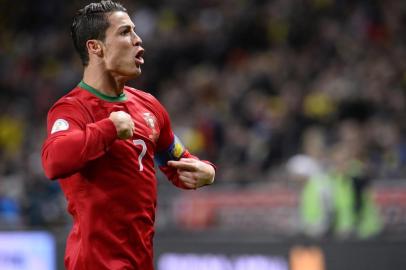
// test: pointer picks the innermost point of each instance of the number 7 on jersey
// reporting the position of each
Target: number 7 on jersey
(142, 154)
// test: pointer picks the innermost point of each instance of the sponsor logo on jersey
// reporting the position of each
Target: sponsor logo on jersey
(59, 125)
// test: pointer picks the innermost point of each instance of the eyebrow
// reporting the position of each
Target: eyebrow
(126, 26)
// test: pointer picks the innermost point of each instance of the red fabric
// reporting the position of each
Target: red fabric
(111, 201)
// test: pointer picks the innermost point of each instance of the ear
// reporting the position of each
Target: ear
(94, 47)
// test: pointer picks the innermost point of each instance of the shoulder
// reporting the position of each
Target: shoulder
(148, 99)
(68, 110)
(74, 99)
(72, 96)
(149, 102)
(139, 94)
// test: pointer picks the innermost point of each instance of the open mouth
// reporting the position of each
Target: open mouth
(139, 60)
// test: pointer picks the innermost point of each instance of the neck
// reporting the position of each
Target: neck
(103, 81)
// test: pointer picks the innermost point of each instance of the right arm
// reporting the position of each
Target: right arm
(72, 141)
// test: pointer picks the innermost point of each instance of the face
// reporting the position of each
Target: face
(122, 51)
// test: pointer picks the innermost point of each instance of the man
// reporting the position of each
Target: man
(102, 140)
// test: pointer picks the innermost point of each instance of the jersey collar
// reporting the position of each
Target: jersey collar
(121, 97)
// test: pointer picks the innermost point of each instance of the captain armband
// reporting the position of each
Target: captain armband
(174, 152)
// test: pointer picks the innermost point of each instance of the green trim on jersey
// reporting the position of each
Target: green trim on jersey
(121, 97)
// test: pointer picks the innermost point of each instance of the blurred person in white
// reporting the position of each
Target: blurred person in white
(315, 205)
(335, 197)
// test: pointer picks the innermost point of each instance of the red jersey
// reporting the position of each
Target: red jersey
(109, 184)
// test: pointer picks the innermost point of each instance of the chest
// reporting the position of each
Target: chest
(141, 147)
(147, 127)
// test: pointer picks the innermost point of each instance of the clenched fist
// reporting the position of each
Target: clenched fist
(124, 124)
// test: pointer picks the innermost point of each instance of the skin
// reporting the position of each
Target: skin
(193, 173)
(112, 63)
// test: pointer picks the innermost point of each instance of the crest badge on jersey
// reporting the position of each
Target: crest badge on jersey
(151, 123)
(59, 125)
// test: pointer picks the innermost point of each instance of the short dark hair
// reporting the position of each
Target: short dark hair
(91, 22)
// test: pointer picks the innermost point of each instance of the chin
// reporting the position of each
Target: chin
(136, 72)
(135, 75)
(132, 74)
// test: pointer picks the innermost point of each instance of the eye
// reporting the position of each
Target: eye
(125, 32)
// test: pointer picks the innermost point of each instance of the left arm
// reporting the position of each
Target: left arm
(182, 168)
(193, 173)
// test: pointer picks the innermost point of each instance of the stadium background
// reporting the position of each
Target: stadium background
(267, 90)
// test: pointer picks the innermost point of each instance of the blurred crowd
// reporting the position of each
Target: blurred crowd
(254, 85)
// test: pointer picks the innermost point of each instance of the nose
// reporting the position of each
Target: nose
(137, 41)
